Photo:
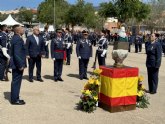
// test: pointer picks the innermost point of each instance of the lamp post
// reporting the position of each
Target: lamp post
(54, 15)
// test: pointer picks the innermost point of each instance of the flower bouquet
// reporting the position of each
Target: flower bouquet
(89, 98)
(142, 98)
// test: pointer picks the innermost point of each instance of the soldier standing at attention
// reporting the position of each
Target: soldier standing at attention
(58, 54)
(4, 56)
(102, 48)
(153, 62)
(84, 52)
(17, 63)
(68, 41)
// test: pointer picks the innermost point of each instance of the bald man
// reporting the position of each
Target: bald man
(34, 52)
(17, 63)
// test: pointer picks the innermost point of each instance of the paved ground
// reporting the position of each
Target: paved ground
(54, 102)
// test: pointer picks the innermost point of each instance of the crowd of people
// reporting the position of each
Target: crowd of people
(14, 51)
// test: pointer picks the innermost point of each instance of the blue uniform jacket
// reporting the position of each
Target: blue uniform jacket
(57, 48)
(32, 48)
(84, 49)
(18, 53)
(3, 43)
(154, 54)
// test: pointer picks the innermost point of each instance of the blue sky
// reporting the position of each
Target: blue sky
(12, 4)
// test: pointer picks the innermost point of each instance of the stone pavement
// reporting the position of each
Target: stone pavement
(54, 102)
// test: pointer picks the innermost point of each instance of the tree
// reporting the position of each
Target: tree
(26, 15)
(46, 12)
(83, 14)
(125, 10)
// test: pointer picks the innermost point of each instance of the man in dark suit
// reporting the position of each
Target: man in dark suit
(58, 54)
(84, 52)
(35, 50)
(153, 62)
(17, 63)
(4, 56)
(68, 41)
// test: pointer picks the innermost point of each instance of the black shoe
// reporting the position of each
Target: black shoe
(86, 78)
(152, 92)
(60, 79)
(67, 63)
(30, 80)
(81, 78)
(18, 102)
(40, 80)
(55, 80)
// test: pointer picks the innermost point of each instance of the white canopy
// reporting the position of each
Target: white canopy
(10, 21)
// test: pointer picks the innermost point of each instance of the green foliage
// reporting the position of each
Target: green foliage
(25, 15)
(3, 17)
(125, 10)
(143, 101)
(46, 11)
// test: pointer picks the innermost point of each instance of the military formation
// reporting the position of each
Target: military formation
(14, 52)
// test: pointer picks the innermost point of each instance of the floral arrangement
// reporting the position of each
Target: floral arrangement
(142, 98)
(89, 98)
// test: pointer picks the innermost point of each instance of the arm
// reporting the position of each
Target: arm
(17, 54)
(27, 46)
(77, 48)
(52, 48)
(158, 55)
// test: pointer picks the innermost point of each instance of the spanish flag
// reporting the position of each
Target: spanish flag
(118, 86)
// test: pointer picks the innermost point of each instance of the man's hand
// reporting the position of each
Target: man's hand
(79, 57)
(28, 57)
(54, 59)
(21, 69)
(43, 56)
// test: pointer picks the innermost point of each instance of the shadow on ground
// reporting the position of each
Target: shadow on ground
(7, 96)
(49, 77)
(73, 75)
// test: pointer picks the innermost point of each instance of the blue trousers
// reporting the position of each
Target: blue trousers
(153, 78)
(2, 68)
(58, 66)
(83, 65)
(16, 84)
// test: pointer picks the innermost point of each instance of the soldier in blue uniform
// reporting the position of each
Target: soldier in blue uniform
(102, 48)
(35, 51)
(46, 37)
(58, 54)
(17, 63)
(4, 56)
(84, 52)
(153, 62)
(68, 42)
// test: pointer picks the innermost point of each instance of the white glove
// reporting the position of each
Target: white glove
(68, 45)
(79, 57)
(4, 51)
(104, 52)
(54, 59)
(47, 42)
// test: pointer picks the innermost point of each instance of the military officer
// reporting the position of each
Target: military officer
(68, 42)
(84, 52)
(17, 63)
(153, 62)
(34, 52)
(46, 37)
(102, 48)
(58, 54)
(4, 56)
